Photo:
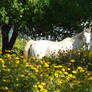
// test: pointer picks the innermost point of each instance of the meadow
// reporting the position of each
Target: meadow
(69, 73)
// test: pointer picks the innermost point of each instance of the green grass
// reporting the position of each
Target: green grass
(19, 44)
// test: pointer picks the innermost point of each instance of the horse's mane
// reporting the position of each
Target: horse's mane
(78, 36)
(72, 39)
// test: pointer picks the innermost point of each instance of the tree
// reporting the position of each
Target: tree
(42, 15)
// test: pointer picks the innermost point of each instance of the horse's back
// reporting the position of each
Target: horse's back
(39, 48)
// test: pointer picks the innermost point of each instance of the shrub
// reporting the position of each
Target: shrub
(69, 73)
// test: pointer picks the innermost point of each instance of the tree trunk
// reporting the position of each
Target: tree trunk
(6, 44)
(13, 39)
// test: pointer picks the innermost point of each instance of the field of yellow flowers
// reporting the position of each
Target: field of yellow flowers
(69, 73)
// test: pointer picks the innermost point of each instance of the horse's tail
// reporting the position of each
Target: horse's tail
(27, 47)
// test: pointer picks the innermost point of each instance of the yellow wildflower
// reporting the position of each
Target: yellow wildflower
(38, 82)
(46, 65)
(36, 70)
(28, 65)
(7, 51)
(40, 86)
(50, 77)
(41, 75)
(59, 66)
(3, 65)
(56, 74)
(22, 75)
(17, 79)
(41, 61)
(42, 83)
(63, 69)
(70, 75)
(66, 73)
(8, 70)
(59, 82)
(90, 78)
(8, 55)
(26, 71)
(35, 86)
(67, 78)
(73, 77)
(17, 58)
(44, 90)
(80, 68)
(17, 61)
(74, 72)
(17, 85)
(2, 61)
(33, 58)
(68, 69)
(0, 52)
(89, 73)
(4, 88)
(37, 90)
(3, 80)
(58, 90)
(72, 60)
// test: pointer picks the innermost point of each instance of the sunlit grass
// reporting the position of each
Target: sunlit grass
(70, 73)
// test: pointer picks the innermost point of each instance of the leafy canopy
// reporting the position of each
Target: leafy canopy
(44, 14)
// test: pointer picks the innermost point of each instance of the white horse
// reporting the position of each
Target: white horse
(41, 48)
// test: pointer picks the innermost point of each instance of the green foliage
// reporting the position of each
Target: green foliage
(44, 14)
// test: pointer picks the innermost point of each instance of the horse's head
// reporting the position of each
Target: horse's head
(87, 35)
